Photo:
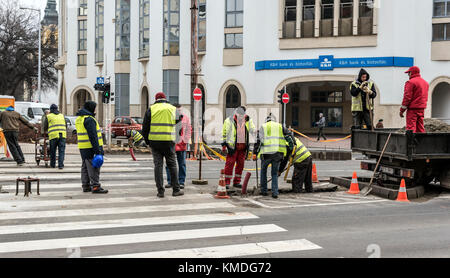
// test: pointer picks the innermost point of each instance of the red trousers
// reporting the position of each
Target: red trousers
(414, 120)
(237, 158)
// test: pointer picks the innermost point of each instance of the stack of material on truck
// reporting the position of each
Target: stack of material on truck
(433, 126)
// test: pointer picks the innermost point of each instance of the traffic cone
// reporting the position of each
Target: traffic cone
(222, 188)
(354, 187)
(314, 174)
(402, 194)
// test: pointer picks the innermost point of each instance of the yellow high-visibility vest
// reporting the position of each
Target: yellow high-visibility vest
(136, 136)
(56, 125)
(162, 126)
(301, 152)
(229, 131)
(82, 135)
(273, 140)
(357, 104)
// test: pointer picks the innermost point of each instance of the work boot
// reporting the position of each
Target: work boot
(237, 185)
(177, 193)
(99, 190)
(160, 195)
(275, 196)
(264, 194)
(87, 189)
(181, 186)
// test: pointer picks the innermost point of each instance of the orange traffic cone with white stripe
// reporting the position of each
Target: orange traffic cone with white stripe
(222, 189)
(314, 174)
(402, 194)
(354, 186)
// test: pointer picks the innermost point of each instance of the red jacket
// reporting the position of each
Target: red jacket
(185, 134)
(416, 92)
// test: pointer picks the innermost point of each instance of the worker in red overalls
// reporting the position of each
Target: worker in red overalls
(236, 143)
(415, 101)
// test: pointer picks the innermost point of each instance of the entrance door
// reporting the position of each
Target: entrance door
(232, 100)
(80, 99)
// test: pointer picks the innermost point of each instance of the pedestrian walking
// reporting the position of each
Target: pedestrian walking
(56, 126)
(159, 131)
(415, 100)
(301, 159)
(272, 143)
(363, 94)
(321, 124)
(380, 124)
(90, 144)
(236, 133)
(10, 122)
(184, 132)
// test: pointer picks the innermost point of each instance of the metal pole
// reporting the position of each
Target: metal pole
(284, 110)
(40, 56)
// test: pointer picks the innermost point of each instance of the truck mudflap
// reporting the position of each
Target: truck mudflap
(445, 179)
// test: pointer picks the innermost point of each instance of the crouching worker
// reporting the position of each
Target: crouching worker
(90, 143)
(136, 139)
(301, 159)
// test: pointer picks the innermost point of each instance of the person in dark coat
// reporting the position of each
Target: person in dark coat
(363, 93)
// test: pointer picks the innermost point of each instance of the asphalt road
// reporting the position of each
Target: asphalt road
(131, 222)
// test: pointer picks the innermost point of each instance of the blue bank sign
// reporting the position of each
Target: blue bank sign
(329, 63)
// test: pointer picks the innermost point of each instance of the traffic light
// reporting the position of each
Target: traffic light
(280, 96)
(107, 92)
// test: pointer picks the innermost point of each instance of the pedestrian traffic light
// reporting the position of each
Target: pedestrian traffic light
(280, 96)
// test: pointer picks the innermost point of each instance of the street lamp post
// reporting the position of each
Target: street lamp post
(40, 53)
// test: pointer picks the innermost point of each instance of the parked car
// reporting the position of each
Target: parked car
(71, 129)
(33, 110)
(122, 124)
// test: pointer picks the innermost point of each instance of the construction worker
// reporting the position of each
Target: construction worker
(272, 143)
(159, 131)
(183, 136)
(10, 122)
(136, 138)
(90, 143)
(43, 118)
(301, 159)
(363, 93)
(236, 144)
(56, 126)
(415, 101)
(380, 124)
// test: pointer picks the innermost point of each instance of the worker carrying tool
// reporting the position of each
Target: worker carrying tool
(301, 159)
(90, 143)
(363, 94)
(136, 138)
(273, 141)
(236, 143)
(159, 131)
(415, 100)
(56, 126)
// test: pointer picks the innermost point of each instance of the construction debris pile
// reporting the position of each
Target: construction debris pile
(433, 126)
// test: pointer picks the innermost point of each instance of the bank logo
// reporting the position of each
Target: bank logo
(326, 62)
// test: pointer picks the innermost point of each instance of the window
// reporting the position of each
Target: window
(346, 10)
(99, 30)
(295, 116)
(290, 10)
(122, 29)
(441, 8)
(82, 59)
(201, 25)
(309, 7)
(82, 35)
(327, 9)
(82, 10)
(333, 116)
(234, 13)
(122, 94)
(366, 8)
(171, 85)
(441, 32)
(171, 27)
(327, 97)
(144, 28)
(234, 41)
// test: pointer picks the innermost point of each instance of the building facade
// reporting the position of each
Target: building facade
(251, 49)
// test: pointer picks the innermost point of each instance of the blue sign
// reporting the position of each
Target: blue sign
(328, 62)
(100, 80)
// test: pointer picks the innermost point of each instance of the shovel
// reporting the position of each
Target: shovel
(368, 189)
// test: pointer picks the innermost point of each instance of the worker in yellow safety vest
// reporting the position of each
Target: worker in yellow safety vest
(273, 141)
(363, 94)
(159, 131)
(90, 143)
(55, 126)
(300, 157)
(136, 138)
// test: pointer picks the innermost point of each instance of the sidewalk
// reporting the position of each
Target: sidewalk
(340, 145)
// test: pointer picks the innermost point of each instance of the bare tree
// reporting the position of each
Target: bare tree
(19, 44)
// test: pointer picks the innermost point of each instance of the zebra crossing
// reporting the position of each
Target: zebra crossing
(131, 222)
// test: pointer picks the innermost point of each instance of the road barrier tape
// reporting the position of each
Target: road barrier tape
(323, 141)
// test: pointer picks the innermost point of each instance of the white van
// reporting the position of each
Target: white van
(33, 110)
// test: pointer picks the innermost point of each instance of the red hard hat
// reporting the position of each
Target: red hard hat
(413, 70)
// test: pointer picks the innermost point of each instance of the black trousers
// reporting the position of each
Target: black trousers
(302, 175)
(321, 134)
(12, 138)
(59, 143)
(158, 159)
(360, 118)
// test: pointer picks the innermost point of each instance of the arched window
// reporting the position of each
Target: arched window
(232, 100)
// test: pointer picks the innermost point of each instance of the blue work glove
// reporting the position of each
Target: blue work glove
(97, 162)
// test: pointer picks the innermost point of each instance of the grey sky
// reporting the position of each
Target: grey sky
(36, 4)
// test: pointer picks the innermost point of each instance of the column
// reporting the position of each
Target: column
(337, 6)
(317, 17)
(299, 18)
(355, 17)
(376, 7)
(281, 12)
